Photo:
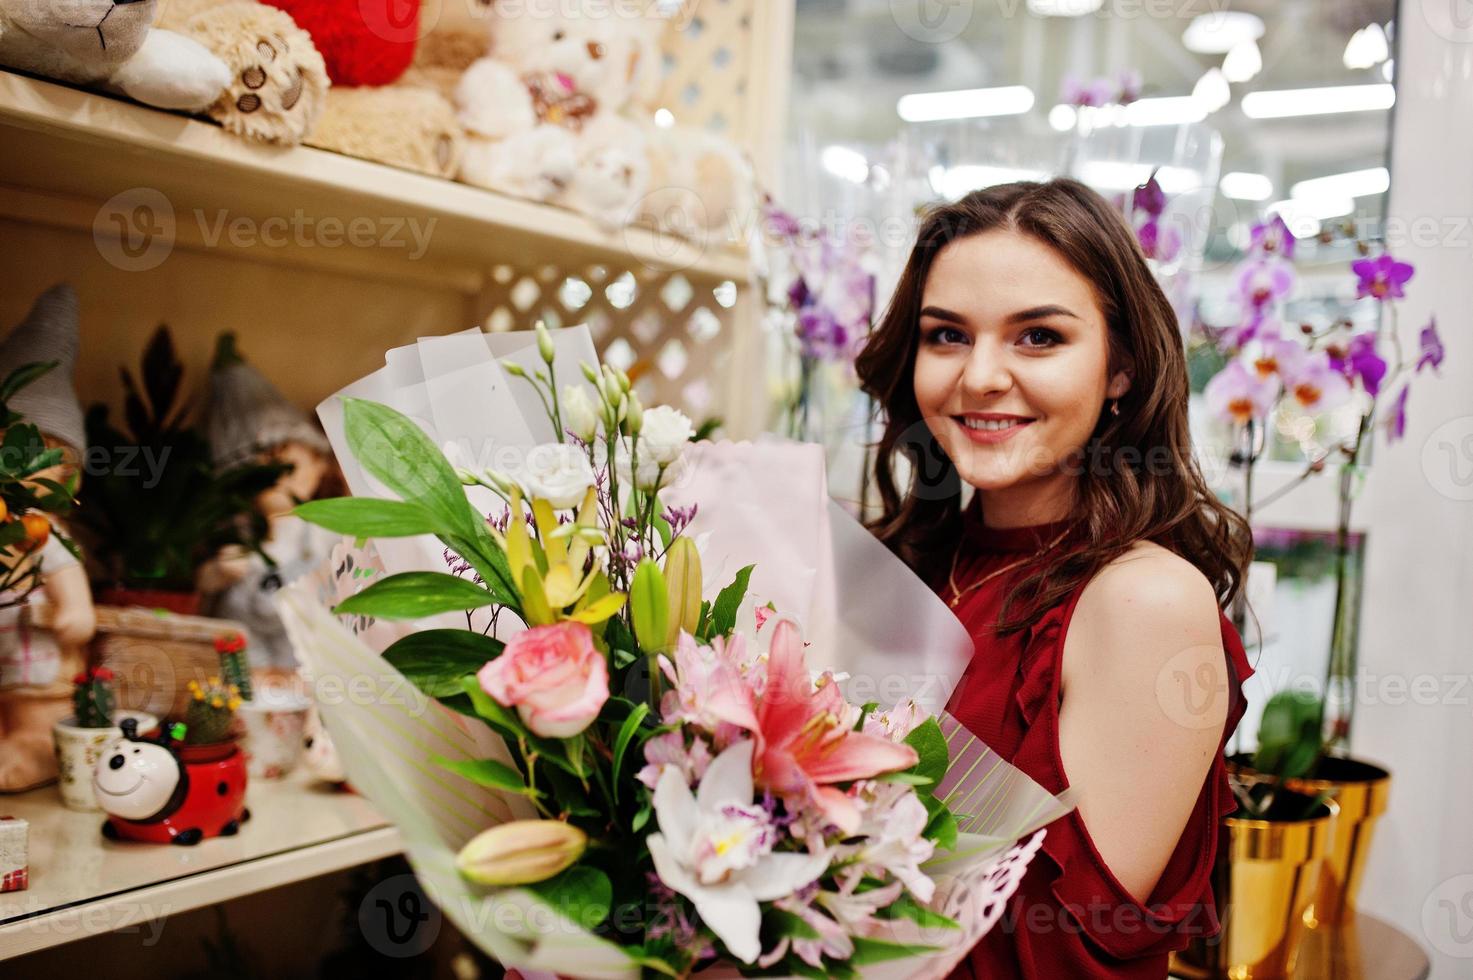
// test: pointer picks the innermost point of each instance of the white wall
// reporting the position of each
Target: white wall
(1418, 506)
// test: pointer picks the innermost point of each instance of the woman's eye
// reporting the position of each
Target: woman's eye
(1040, 337)
(941, 336)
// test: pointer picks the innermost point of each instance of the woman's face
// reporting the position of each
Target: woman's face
(1011, 371)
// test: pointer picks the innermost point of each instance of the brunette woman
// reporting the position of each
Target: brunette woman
(1030, 360)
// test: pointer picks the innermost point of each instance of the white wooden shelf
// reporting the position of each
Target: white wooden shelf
(64, 152)
(82, 885)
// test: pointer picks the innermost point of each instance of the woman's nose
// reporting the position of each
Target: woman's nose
(986, 372)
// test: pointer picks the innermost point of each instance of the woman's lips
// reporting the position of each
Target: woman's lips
(991, 437)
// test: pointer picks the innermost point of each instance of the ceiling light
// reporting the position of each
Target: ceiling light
(1318, 101)
(1169, 111)
(1388, 69)
(1242, 186)
(1217, 33)
(1367, 47)
(1114, 175)
(845, 163)
(1356, 183)
(1242, 62)
(954, 182)
(1062, 117)
(664, 118)
(1212, 90)
(1008, 100)
(1063, 8)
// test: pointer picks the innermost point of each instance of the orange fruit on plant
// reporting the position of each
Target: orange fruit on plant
(38, 529)
(4, 511)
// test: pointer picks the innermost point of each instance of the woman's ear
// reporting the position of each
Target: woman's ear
(1119, 385)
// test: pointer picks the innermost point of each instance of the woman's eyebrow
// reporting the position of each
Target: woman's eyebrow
(939, 313)
(1040, 313)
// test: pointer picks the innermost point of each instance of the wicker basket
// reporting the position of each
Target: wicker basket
(156, 654)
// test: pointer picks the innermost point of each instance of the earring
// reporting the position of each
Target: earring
(1115, 407)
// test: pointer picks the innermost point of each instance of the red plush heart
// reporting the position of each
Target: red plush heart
(364, 42)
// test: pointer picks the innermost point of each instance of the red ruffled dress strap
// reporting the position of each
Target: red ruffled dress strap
(1072, 917)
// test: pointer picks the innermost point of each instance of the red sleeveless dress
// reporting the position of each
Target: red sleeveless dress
(1071, 918)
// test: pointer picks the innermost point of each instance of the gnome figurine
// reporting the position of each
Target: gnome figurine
(248, 418)
(37, 665)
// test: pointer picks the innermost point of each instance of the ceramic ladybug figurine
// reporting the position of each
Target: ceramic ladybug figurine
(156, 791)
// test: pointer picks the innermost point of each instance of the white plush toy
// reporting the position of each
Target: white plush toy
(112, 44)
(544, 110)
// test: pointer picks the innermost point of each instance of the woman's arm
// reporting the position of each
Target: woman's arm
(1145, 698)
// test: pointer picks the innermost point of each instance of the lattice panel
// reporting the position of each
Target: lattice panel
(673, 337)
(708, 57)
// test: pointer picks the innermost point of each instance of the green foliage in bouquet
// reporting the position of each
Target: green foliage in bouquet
(26, 497)
(164, 506)
(622, 663)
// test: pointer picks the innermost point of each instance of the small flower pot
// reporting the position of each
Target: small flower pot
(275, 724)
(77, 752)
(1361, 791)
(158, 793)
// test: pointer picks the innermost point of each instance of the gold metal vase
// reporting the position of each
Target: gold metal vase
(1361, 792)
(1264, 880)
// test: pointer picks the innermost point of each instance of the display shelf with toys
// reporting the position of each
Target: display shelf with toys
(81, 884)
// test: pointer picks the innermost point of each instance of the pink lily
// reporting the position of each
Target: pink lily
(804, 746)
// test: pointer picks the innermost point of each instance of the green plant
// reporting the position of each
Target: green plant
(164, 506)
(233, 666)
(211, 710)
(92, 697)
(1290, 744)
(26, 496)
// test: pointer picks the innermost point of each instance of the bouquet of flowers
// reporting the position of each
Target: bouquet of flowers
(609, 765)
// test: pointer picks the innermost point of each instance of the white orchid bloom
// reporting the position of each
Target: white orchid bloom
(715, 848)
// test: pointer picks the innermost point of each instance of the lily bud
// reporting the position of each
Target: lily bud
(624, 384)
(683, 588)
(649, 606)
(514, 369)
(521, 852)
(636, 414)
(589, 372)
(544, 343)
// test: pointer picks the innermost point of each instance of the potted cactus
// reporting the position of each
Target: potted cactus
(209, 724)
(82, 738)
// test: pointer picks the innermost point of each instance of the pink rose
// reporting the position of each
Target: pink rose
(553, 676)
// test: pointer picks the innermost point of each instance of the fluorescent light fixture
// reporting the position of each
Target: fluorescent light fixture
(1007, 100)
(845, 163)
(1062, 117)
(1116, 175)
(1167, 111)
(1320, 208)
(1367, 47)
(1212, 90)
(1318, 101)
(1217, 33)
(954, 182)
(1356, 183)
(1242, 62)
(1063, 8)
(1241, 186)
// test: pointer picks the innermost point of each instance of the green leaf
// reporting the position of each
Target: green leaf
(930, 745)
(867, 951)
(486, 772)
(905, 778)
(22, 376)
(728, 601)
(436, 660)
(370, 517)
(415, 595)
(582, 894)
(906, 907)
(942, 829)
(506, 721)
(50, 457)
(621, 742)
(641, 818)
(1289, 734)
(785, 924)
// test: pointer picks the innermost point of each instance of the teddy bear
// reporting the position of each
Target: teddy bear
(700, 185)
(544, 110)
(36, 664)
(277, 80)
(112, 44)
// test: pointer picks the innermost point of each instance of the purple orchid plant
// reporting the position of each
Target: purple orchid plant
(1159, 240)
(823, 289)
(1317, 371)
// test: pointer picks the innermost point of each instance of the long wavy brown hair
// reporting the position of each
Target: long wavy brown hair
(1153, 491)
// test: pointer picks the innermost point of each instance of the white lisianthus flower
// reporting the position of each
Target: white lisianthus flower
(664, 434)
(648, 478)
(557, 473)
(579, 414)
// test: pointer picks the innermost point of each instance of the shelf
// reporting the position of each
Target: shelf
(82, 885)
(64, 152)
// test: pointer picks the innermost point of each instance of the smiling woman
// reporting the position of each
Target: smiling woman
(1029, 354)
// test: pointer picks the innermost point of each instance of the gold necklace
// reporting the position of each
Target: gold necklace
(957, 594)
